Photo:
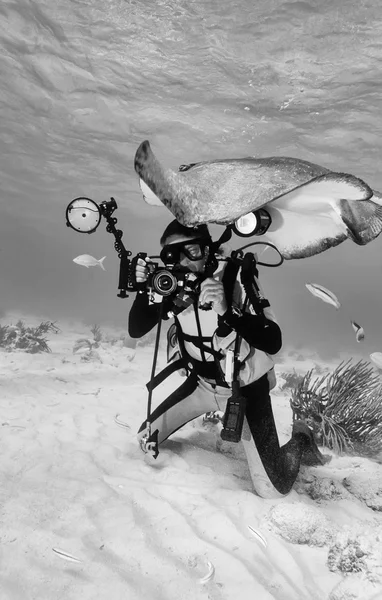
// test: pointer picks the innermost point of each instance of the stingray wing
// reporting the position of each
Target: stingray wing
(322, 214)
(220, 191)
(300, 235)
(312, 208)
(148, 195)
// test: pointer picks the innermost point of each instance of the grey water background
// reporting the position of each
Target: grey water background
(82, 84)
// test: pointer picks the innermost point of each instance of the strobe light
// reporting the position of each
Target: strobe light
(83, 215)
(253, 223)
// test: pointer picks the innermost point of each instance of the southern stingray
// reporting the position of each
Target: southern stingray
(312, 208)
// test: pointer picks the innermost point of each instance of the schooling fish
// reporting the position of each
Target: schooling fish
(66, 556)
(258, 535)
(359, 331)
(210, 573)
(85, 260)
(323, 293)
(311, 207)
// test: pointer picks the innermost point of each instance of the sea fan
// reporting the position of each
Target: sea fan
(81, 344)
(343, 408)
(292, 380)
(97, 335)
(30, 339)
(4, 336)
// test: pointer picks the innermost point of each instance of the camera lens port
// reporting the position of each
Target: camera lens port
(164, 283)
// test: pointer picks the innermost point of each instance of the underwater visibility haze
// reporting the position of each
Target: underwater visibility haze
(84, 83)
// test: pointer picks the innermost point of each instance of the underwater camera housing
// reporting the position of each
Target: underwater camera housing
(183, 286)
(84, 215)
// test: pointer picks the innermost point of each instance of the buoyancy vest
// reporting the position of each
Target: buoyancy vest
(204, 351)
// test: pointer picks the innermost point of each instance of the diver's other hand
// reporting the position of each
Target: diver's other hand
(212, 291)
(141, 270)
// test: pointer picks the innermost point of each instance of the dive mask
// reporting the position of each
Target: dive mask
(192, 249)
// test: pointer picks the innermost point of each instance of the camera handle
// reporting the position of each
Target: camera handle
(139, 287)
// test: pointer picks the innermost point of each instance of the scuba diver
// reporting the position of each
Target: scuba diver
(225, 340)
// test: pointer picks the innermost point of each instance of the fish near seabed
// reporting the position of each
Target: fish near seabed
(359, 331)
(85, 260)
(66, 556)
(376, 357)
(312, 208)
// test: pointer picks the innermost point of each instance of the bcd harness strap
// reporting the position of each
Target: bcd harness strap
(233, 419)
(212, 369)
(166, 372)
(234, 415)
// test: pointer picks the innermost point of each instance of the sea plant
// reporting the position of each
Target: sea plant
(343, 408)
(291, 379)
(30, 339)
(97, 335)
(86, 342)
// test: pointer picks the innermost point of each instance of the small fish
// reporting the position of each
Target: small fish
(359, 331)
(209, 575)
(376, 357)
(121, 423)
(324, 294)
(66, 556)
(85, 260)
(258, 535)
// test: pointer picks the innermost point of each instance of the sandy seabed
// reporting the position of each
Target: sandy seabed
(86, 515)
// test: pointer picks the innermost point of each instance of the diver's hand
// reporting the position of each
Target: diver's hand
(212, 291)
(141, 270)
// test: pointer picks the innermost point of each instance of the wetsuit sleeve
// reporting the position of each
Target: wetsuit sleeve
(144, 316)
(259, 331)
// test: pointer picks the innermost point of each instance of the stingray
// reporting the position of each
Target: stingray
(311, 207)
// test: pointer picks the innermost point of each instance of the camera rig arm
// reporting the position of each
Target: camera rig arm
(127, 265)
(84, 215)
